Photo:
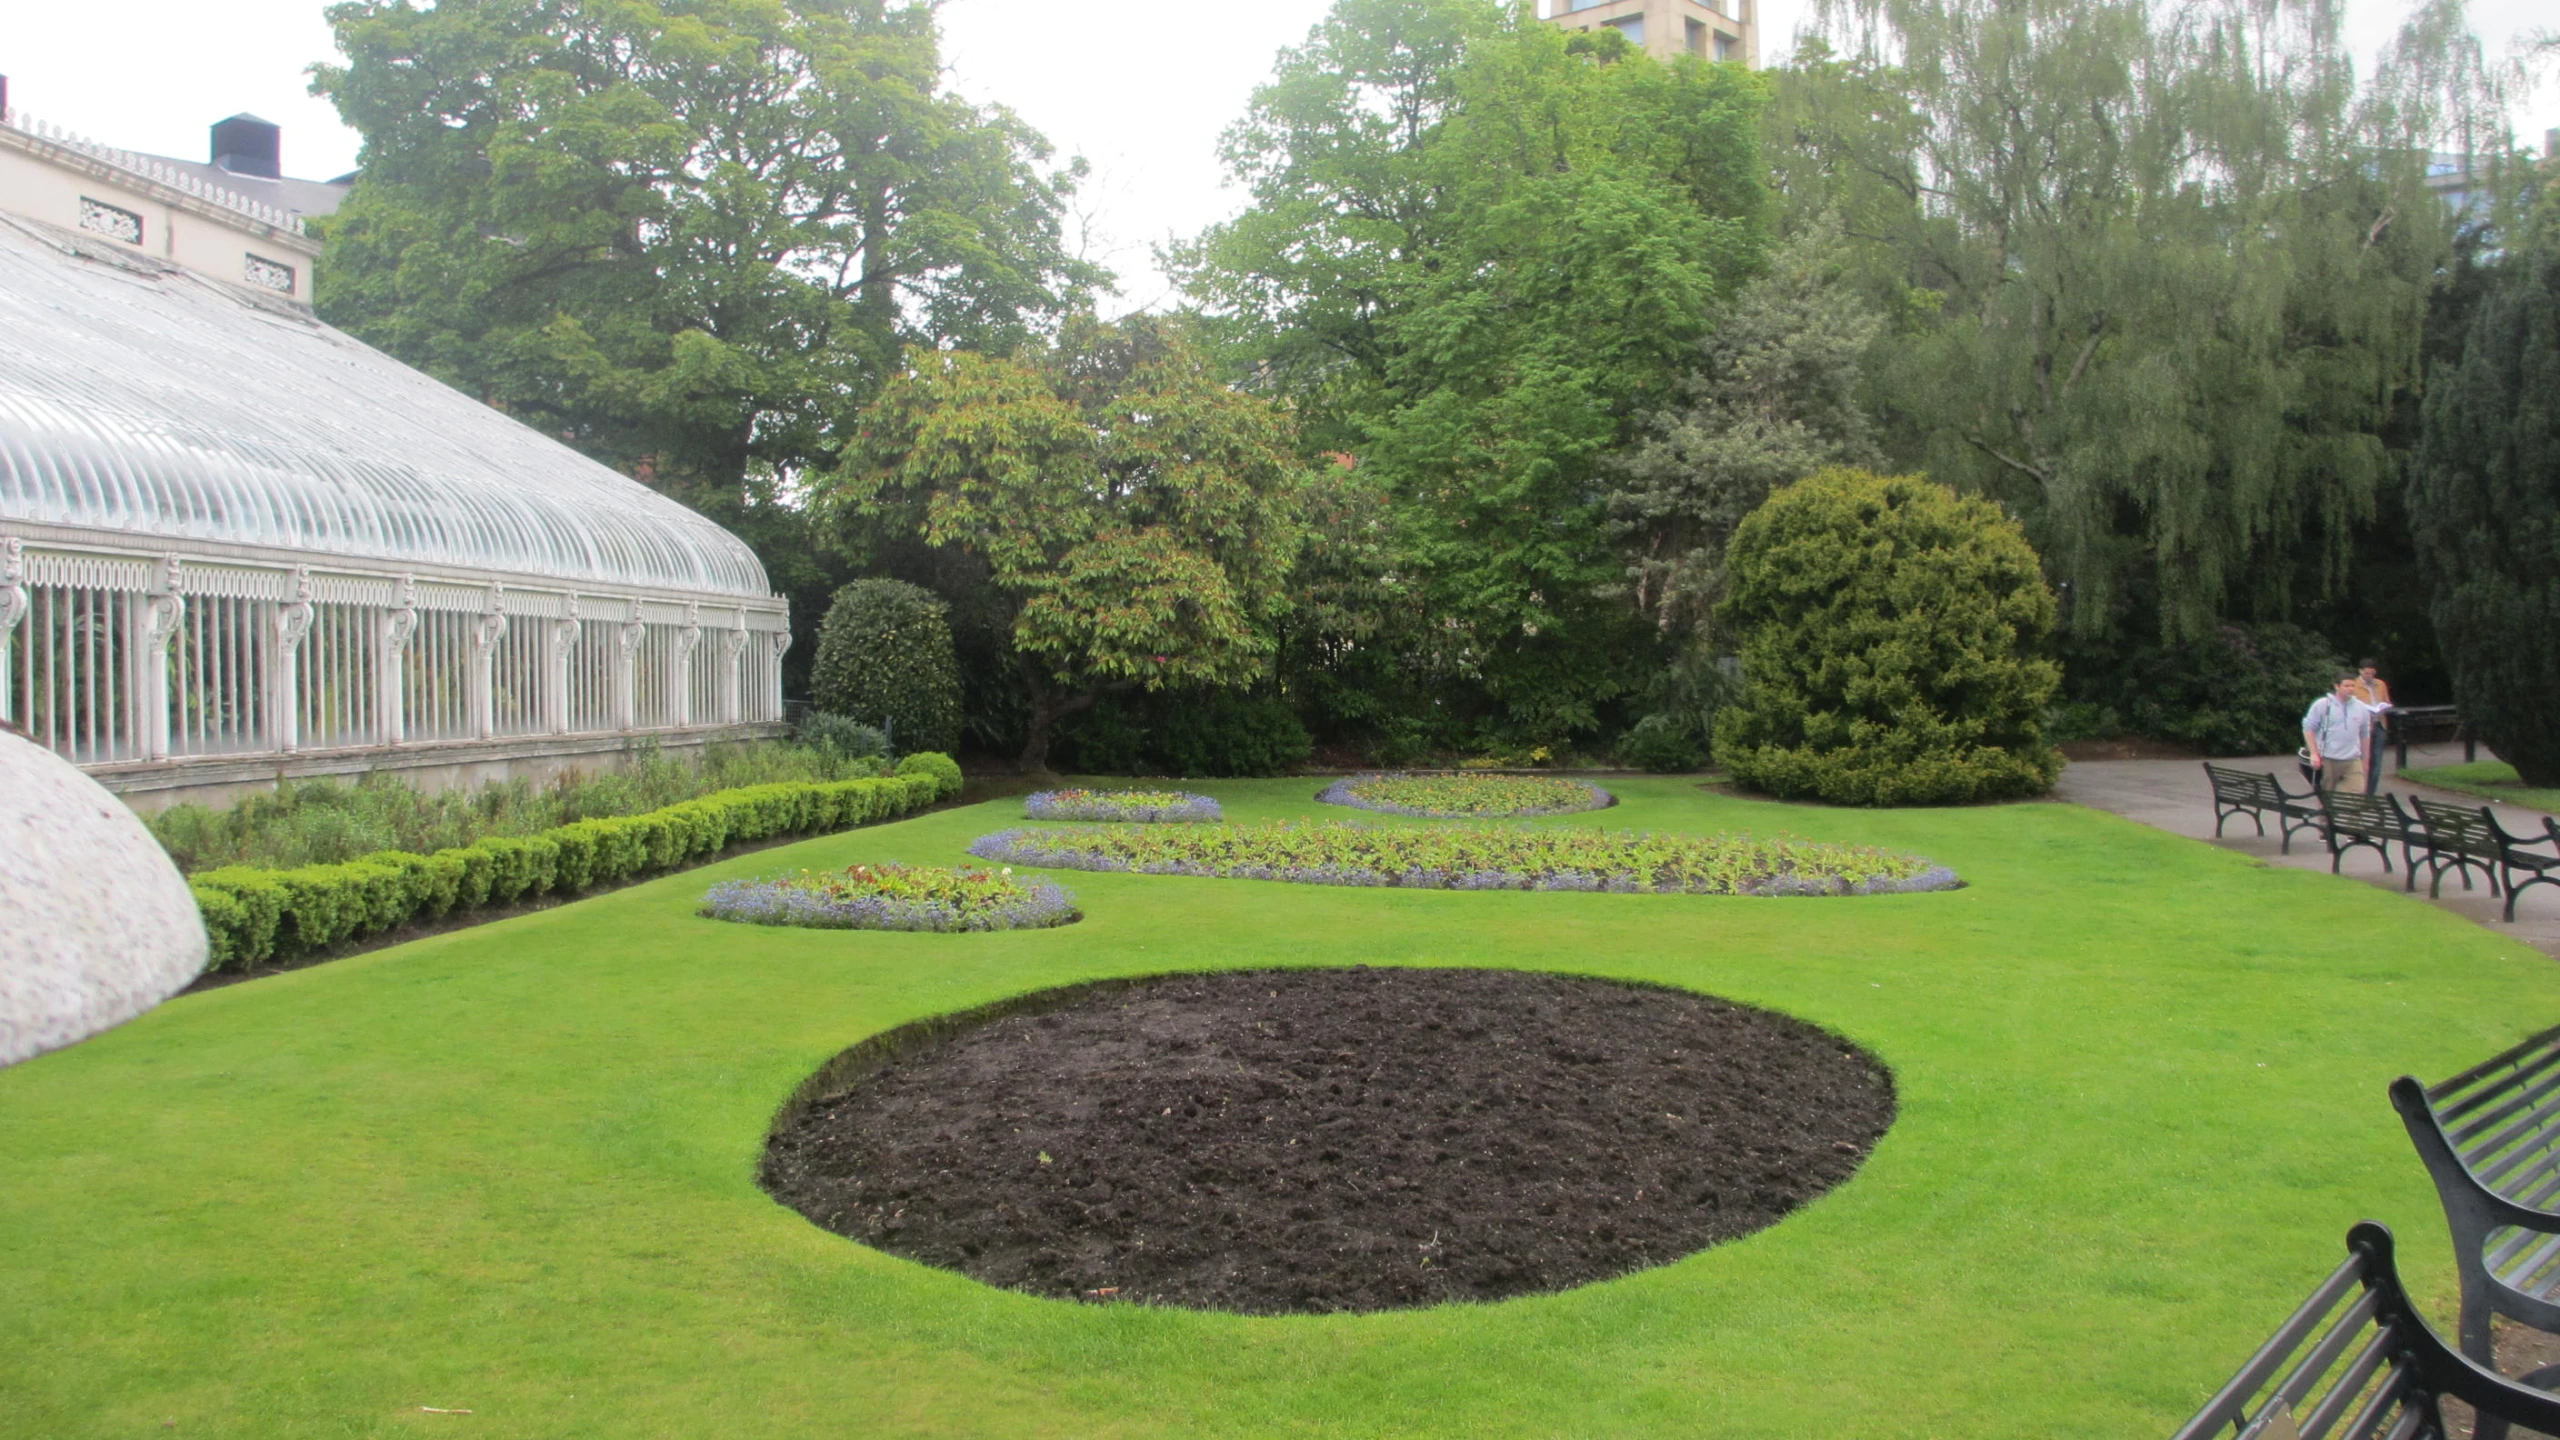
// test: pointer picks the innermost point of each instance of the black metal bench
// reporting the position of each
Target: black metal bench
(2349, 820)
(2515, 856)
(2456, 837)
(2241, 792)
(2426, 724)
(2490, 1137)
(2356, 1362)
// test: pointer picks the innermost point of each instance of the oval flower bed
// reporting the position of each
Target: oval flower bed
(890, 896)
(1476, 857)
(1138, 806)
(1466, 797)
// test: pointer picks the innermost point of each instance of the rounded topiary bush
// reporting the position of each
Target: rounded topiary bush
(885, 658)
(1890, 633)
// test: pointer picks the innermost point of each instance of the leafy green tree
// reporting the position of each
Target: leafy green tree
(1891, 636)
(885, 657)
(2180, 263)
(1137, 516)
(688, 236)
(1476, 248)
(2484, 501)
(1774, 398)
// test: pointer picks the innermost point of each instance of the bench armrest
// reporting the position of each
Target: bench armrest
(2451, 1171)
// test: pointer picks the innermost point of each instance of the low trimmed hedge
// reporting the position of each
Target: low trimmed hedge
(255, 916)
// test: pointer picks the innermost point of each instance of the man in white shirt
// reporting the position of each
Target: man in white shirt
(2338, 732)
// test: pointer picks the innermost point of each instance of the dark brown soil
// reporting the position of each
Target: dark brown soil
(1323, 1140)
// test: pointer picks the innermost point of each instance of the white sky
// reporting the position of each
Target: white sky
(1141, 94)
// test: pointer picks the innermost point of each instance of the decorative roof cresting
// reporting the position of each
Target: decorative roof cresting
(158, 171)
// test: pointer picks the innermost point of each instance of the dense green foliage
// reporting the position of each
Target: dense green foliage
(1516, 326)
(256, 915)
(885, 657)
(2237, 690)
(2485, 505)
(1892, 636)
(320, 822)
(690, 237)
(2171, 266)
(1138, 516)
(1476, 248)
(1473, 857)
(1185, 732)
(842, 735)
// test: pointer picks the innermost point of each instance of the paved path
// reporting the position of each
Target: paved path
(2173, 795)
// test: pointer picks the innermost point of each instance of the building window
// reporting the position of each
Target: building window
(1632, 27)
(1726, 46)
(111, 222)
(1574, 5)
(269, 275)
(1697, 36)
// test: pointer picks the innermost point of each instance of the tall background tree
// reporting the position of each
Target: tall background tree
(2181, 270)
(690, 238)
(2485, 504)
(1476, 248)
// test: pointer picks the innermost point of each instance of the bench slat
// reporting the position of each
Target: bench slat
(2377, 1353)
(2442, 1088)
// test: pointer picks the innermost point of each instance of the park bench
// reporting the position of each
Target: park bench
(2456, 837)
(2490, 1137)
(2241, 792)
(2514, 857)
(2349, 819)
(2356, 1362)
(2426, 724)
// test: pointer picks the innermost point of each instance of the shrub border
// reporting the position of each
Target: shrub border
(256, 916)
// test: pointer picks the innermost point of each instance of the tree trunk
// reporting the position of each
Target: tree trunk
(1048, 707)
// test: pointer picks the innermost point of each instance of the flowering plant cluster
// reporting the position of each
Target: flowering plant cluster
(1476, 857)
(1466, 797)
(895, 897)
(1142, 806)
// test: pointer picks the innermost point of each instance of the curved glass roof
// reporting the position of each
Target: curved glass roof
(137, 397)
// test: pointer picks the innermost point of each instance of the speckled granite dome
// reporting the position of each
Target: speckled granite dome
(96, 926)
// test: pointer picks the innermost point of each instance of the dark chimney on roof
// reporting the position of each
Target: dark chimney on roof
(247, 145)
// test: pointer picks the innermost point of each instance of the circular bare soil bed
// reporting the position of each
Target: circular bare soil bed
(1320, 1140)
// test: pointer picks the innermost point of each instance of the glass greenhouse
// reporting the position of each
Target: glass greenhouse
(229, 531)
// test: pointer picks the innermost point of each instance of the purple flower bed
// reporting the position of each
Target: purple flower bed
(1144, 807)
(894, 897)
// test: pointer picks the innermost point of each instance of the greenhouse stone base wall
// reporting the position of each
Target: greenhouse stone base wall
(150, 788)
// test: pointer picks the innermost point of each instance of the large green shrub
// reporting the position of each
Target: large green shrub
(256, 915)
(1890, 634)
(2239, 690)
(885, 658)
(2484, 507)
(1185, 732)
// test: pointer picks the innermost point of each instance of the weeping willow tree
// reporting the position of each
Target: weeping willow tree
(2174, 260)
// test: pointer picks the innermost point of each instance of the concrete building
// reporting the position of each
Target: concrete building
(238, 546)
(1724, 30)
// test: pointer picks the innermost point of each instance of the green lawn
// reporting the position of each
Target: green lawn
(2490, 780)
(510, 1169)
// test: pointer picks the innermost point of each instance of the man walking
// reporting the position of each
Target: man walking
(2337, 731)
